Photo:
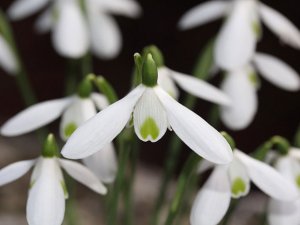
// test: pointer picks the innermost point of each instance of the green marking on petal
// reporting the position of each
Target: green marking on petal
(64, 187)
(256, 27)
(254, 79)
(149, 128)
(298, 181)
(69, 129)
(238, 186)
(31, 184)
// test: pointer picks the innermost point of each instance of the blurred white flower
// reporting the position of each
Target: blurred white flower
(236, 43)
(279, 212)
(74, 111)
(8, 60)
(233, 180)
(78, 26)
(48, 191)
(241, 85)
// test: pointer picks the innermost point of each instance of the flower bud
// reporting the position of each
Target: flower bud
(149, 71)
(50, 148)
(156, 54)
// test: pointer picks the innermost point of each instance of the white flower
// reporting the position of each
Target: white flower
(47, 194)
(153, 112)
(236, 43)
(241, 86)
(233, 180)
(74, 111)
(77, 28)
(7, 58)
(279, 212)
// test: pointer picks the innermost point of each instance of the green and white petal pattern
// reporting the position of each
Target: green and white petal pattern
(46, 200)
(280, 25)
(166, 82)
(100, 130)
(14, 171)
(149, 116)
(277, 72)
(268, 179)
(204, 13)
(79, 111)
(35, 117)
(7, 58)
(239, 179)
(213, 199)
(194, 131)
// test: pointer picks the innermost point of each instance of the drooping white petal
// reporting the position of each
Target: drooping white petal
(166, 82)
(281, 213)
(242, 92)
(203, 13)
(46, 200)
(45, 21)
(35, 117)
(106, 37)
(212, 201)
(7, 58)
(149, 117)
(100, 130)
(280, 25)
(295, 153)
(100, 101)
(129, 8)
(277, 72)
(83, 175)
(23, 8)
(239, 179)
(70, 35)
(103, 164)
(200, 88)
(289, 167)
(268, 179)
(14, 171)
(194, 131)
(79, 111)
(236, 43)
(205, 165)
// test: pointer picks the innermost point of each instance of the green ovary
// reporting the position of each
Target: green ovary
(238, 186)
(69, 129)
(149, 128)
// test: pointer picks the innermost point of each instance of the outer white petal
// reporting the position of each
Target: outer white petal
(200, 88)
(83, 175)
(277, 72)
(236, 42)
(166, 82)
(14, 171)
(268, 179)
(23, 8)
(106, 37)
(242, 92)
(100, 130)
(35, 117)
(280, 25)
(289, 167)
(100, 100)
(103, 164)
(194, 131)
(46, 200)
(295, 153)
(45, 21)
(281, 213)
(238, 176)
(7, 58)
(212, 201)
(70, 34)
(79, 111)
(203, 13)
(149, 116)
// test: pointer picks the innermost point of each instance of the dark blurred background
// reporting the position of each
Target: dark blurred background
(278, 113)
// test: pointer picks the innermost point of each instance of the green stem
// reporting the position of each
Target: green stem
(297, 138)
(201, 71)
(187, 173)
(86, 64)
(71, 212)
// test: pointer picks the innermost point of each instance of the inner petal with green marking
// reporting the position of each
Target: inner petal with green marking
(69, 129)
(149, 129)
(238, 187)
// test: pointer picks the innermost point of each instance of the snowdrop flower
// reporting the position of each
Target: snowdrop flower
(241, 85)
(168, 78)
(74, 110)
(78, 26)
(233, 180)
(8, 60)
(153, 112)
(236, 43)
(48, 191)
(280, 212)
